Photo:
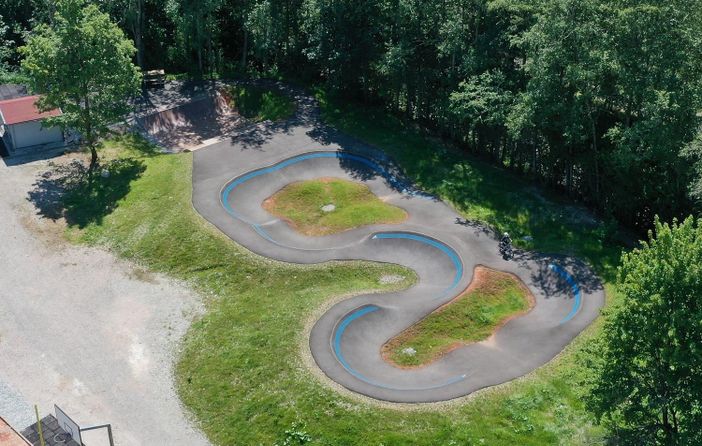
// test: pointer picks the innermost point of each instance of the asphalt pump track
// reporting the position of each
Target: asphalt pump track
(443, 249)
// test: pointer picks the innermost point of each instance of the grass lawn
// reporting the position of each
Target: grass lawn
(240, 370)
(301, 205)
(473, 316)
(260, 104)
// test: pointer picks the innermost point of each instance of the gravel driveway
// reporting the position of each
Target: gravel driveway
(86, 331)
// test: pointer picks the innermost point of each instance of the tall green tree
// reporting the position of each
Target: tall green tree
(342, 40)
(6, 46)
(82, 63)
(692, 152)
(131, 16)
(647, 381)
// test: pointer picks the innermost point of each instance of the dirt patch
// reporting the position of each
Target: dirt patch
(49, 232)
(189, 125)
(484, 279)
(143, 275)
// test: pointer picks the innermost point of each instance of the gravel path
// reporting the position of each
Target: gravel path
(84, 330)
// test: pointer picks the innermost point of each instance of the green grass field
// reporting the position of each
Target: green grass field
(260, 104)
(240, 370)
(301, 205)
(471, 317)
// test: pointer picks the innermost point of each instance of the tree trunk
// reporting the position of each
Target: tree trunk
(138, 31)
(199, 58)
(90, 138)
(93, 158)
(244, 50)
(597, 161)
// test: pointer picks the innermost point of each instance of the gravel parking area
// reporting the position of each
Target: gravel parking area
(82, 329)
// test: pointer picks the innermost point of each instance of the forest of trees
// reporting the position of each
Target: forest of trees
(599, 98)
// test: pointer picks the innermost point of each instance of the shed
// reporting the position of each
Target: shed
(21, 125)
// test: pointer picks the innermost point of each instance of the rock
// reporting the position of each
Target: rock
(105, 173)
(386, 279)
(328, 208)
(409, 351)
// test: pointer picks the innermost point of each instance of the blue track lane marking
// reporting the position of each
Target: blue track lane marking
(262, 232)
(453, 255)
(575, 288)
(390, 178)
(393, 181)
(345, 322)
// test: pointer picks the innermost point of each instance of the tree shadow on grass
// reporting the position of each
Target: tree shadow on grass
(67, 191)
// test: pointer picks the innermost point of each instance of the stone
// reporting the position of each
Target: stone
(387, 279)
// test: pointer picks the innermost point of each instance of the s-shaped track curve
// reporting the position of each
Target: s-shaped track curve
(229, 189)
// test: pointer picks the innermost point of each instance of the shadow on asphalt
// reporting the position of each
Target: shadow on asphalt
(306, 114)
(389, 169)
(553, 284)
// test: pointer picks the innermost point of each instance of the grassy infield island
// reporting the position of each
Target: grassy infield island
(240, 370)
(302, 205)
(489, 302)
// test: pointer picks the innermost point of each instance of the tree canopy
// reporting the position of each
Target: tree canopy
(648, 364)
(596, 98)
(82, 63)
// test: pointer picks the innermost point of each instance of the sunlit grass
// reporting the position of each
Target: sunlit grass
(471, 317)
(303, 203)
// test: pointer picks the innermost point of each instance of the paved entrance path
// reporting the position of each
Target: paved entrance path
(88, 332)
(232, 178)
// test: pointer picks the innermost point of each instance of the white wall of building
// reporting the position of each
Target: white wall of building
(31, 133)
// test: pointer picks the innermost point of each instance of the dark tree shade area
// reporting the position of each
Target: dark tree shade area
(598, 98)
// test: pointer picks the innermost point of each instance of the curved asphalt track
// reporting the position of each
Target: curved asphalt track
(231, 179)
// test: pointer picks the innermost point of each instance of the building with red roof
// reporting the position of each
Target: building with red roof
(21, 125)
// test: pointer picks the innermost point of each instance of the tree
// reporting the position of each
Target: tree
(5, 46)
(82, 63)
(692, 152)
(480, 106)
(648, 367)
(131, 16)
(342, 40)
